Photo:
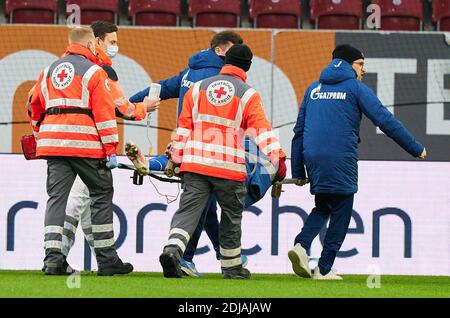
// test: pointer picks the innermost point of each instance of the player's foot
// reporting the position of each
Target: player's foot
(244, 262)
(118, 267)
(135, 155)
(299, 260)
(65, 267)
(170, 264)
(236, 273)
(189, 268)
(331, 275)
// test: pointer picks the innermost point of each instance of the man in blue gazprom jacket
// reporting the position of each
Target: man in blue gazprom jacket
(326, 142)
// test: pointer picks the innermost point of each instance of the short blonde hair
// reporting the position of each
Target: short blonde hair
(81, 35)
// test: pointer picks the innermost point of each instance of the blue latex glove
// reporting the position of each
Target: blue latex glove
(111, 162)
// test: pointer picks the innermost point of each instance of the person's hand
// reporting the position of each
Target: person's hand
(111, 162)
(281, 174)
(172, 169)
(423, 155)
(151, 105)
(176, 170)
(302, 182)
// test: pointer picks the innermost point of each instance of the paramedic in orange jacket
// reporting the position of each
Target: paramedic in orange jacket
(73, 118)
(107, 48)
(77, 210)
(217, 113)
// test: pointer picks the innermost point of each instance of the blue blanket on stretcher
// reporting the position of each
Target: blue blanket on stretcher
(260, 171)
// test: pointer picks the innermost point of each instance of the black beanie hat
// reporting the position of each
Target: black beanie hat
(347, 53)
(239, 55)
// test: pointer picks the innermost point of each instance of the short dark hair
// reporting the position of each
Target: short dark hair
(101, 28)
(224, 37)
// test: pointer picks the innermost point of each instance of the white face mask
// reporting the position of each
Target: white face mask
(112, 50)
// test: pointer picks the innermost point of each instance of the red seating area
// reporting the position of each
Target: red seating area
(275, 13)
(32, 11)
(154, 12)
(92, 10)
(401, 15)
(441, 14)
(215, 13)
(336, 14)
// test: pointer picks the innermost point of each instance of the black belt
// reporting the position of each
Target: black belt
(58, 111)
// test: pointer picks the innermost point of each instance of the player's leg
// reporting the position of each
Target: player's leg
(212, 228)
(315, 221)
(60, 178)
(193, 200)
(298, 255)
(86, 226)
(231, 197)
(99, 181)
(209, 215)
(186, 263)
(337, 230)
(77, 204)
(212, 224)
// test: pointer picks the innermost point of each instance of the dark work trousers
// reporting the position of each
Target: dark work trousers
(231, 197)
(61, 173)
(209, 223)
(339, 209)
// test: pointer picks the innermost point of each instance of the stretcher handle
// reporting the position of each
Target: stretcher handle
(154, 175)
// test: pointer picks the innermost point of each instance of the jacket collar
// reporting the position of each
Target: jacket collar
(234, 71)
(101, 55)
(83, 51)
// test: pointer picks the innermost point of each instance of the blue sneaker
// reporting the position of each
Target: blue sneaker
(189, 268)
(244, 260)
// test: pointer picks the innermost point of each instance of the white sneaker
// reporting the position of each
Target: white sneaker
(299, 260)
(331, 275)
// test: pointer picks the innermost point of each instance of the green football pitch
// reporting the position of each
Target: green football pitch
(137, 285)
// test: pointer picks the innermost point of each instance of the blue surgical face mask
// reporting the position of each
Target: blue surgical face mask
(112, 50)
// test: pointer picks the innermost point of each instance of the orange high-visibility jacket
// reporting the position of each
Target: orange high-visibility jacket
(124, 108)
(74, 83)
(217, 113)
(28, 104)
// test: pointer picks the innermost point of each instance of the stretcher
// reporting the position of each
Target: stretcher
(260, 171)
(162, 176)
(138, 179)
(277, 186)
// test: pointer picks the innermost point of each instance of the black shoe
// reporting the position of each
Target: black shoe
(118, 267)
(171, 265)
(236, 273)
(58, 271)
(65, 266)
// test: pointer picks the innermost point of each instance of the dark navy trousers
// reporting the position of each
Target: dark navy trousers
(208, 222)
(338, 208)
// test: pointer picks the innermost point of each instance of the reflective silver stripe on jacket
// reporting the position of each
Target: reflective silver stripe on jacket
(69, 143)
(73, 102)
